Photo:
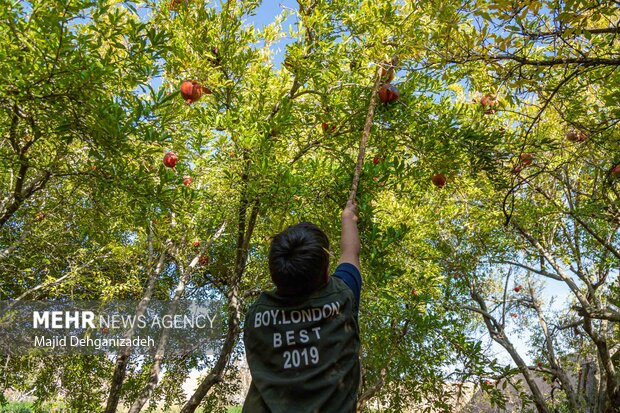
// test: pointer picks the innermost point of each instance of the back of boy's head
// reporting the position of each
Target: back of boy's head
(299, 259)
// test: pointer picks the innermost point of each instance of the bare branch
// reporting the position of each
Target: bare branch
(534, 270)
(551, 260)
(573, 324)
(365, 135)
(599, 314)
(550, 353)
(561, 33)
(584, 62)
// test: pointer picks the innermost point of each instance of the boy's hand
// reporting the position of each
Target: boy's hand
(350, 240)
(350, 211)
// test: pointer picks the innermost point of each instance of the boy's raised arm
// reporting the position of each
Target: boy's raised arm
(350, 240)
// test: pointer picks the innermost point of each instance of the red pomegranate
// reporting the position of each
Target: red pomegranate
(388, 93)
(526, 158)
(439, 180)
(327, 128)
(170, 160)
(191, 91)
(488, 101)
(387, 75)
(576, 136)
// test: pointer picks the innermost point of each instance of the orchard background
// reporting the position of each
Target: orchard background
(489, 194)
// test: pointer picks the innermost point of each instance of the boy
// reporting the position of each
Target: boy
(302, 339)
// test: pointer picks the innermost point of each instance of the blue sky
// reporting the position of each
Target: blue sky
(266, 14)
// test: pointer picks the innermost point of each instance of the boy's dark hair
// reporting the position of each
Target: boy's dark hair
(299, 259)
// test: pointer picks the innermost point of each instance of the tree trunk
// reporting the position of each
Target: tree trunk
(216, 374)
(588, 387)
(553, 361)
(120, 368)
(611, 396)
(244, 236)
(155, 370)
(537, 396)
(496, 331)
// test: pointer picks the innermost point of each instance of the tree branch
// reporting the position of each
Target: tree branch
(120, 369)
(365, 134)
(559, 33)
(534, 270)
(550, 259)
(584, 62)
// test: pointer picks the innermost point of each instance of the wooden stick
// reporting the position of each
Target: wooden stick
(365, 134)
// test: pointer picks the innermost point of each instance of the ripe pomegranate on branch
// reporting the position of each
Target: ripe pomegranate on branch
(439, 180)
(174, 3)
(387, 74)
(488, 103)
(170, 160)
(327, 128)
(388, 93)
(526, 158)
(192, 91)
(576, 136)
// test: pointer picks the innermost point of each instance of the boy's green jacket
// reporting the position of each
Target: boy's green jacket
(303, 353)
